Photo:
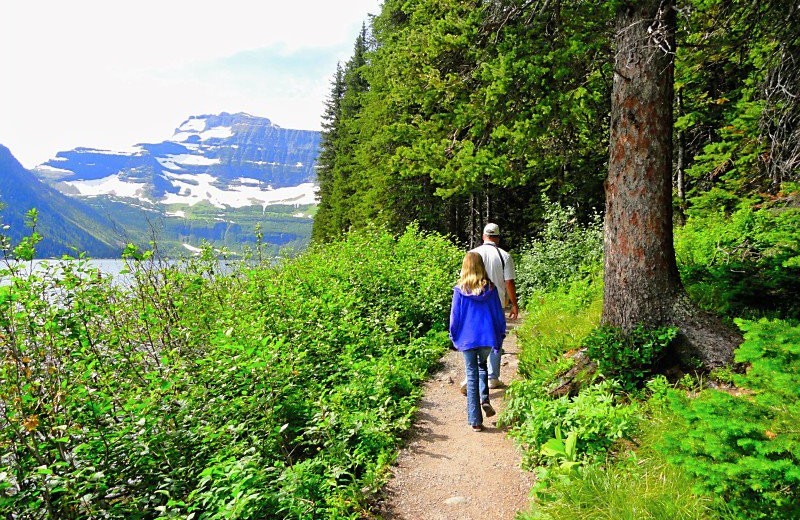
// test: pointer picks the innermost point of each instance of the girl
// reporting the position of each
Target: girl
(477, 326)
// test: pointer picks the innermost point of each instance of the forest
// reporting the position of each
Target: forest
(643, 160)
(450, 112)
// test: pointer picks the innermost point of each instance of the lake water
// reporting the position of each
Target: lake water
(110, 267)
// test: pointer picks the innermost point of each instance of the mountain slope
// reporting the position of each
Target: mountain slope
(215, 179)
(63, 221)
(227, 160)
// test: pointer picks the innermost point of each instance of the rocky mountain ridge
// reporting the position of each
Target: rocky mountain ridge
(226, 160)
(216, 179)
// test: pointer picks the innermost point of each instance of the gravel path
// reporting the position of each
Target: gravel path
(446, 471)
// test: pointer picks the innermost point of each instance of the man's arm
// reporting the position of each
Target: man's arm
(511, 290)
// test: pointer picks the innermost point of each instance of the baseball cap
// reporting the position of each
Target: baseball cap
(491, 230)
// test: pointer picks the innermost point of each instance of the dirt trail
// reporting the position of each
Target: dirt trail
(446, 471)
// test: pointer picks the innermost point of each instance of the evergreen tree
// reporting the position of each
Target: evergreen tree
(456, 113)
(337, 199)
(331, 120)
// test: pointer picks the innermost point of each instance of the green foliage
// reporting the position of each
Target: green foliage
(469, 107)
(566, 251)
(465, 112)
(745, 264)
(735, 119)
(636, 489)
(589, 480)
(597, 416)
(198, 392)
(628, 358)
(565, 451)
(745, 449)
(555, 323)
(772, 349)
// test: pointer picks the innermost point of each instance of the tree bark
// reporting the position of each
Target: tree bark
(642, 284)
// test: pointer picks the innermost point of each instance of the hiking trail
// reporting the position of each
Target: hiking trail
(446, 471)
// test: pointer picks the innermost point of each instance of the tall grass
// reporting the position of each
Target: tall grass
(641, 488)
(557, 322)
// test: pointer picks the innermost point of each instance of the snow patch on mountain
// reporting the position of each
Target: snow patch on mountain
(247, 180)
(129, 151)
(204, 187)
(111, 185)
(44, 168)
(220, 132)
(171, 161)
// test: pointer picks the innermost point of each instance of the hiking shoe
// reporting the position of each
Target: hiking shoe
(477, 428)
(487, 409)
(496, 383)
(464, 387)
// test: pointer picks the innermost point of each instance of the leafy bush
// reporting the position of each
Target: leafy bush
(596, 415)
(746, 449)
(628, 358)
(267, 392)
(566, 251)
(744, 265)
(556, 323)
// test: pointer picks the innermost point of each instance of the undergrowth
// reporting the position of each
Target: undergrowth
(632, 445)
(266, 392)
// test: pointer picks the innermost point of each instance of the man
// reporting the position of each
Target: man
(500, 268)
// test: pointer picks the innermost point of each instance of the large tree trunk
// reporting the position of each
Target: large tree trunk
(642, 285)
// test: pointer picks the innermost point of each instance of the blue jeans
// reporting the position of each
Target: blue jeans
(477, 383)
(494, 365)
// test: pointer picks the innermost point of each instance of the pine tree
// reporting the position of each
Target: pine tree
(331, 121)
(342, 195)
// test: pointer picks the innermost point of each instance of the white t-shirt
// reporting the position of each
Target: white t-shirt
(491, 254)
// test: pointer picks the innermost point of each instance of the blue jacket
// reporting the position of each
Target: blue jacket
(477, 320)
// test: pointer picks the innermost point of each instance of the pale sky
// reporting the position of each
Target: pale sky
(112, 73)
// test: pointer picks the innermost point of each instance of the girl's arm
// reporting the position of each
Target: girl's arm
(455, 315)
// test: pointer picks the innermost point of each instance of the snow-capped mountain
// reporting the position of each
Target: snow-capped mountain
(216, 179)
(225, 160)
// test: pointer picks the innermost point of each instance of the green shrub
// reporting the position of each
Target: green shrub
(261, 393)
(746, 449)
(565, 252)
(597, 415)
(746, 264)
(556, 323)
(628, 358)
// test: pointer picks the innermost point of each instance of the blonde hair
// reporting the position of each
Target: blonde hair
(473, 279)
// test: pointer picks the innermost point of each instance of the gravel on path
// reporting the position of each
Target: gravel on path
(448, 472)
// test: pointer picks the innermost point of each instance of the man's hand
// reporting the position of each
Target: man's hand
(511, 288)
